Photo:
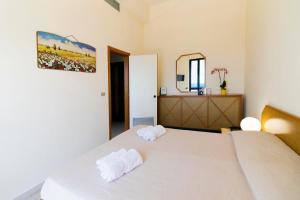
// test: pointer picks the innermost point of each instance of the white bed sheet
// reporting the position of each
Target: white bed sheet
(180, 165)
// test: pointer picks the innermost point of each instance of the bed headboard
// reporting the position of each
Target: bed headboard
(283, 125)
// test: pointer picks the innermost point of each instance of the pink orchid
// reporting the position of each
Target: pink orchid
(220, 70)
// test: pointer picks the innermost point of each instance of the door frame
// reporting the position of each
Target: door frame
(125, 55)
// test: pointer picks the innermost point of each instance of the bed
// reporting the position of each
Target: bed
(189, 165)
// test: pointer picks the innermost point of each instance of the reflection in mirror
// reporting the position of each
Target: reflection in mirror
(190, 72)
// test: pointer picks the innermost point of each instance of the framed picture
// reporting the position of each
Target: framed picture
(60, 53)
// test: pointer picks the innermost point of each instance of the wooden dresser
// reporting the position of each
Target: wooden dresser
(211, 112)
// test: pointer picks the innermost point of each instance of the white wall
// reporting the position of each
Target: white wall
(273, 55)
(48, 117)
(213, 27)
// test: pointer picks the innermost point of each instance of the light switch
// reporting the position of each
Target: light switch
(102, 94)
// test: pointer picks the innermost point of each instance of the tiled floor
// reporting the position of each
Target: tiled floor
(117, 128)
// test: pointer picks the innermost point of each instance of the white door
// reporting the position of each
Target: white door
(143, 88)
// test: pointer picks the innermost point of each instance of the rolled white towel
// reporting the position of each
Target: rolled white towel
(151, 133)
(116, 164)
(111, 166)
(132, 159)
(147, 133)
(159, 130)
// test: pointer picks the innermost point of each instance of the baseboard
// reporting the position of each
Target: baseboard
(33, 191)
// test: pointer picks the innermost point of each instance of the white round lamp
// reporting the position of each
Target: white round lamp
(250, 124)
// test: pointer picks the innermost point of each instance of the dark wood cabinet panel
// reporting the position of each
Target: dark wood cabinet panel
(201, 112)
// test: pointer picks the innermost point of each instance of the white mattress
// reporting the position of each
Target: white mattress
(180, 165)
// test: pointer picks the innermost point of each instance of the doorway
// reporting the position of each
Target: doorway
(118, 91)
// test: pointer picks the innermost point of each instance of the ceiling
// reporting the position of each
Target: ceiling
(140, 8)
(152, 2)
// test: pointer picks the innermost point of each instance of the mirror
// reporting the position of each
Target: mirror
(190, 72)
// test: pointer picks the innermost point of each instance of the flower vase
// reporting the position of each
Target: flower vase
(223, 91)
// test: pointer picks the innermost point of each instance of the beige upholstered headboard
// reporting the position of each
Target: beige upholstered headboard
(283, 125)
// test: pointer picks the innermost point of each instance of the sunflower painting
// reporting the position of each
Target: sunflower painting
(60, 53)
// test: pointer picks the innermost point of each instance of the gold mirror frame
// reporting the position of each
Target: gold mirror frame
(177, 70)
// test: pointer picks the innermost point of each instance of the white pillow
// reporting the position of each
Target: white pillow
(270, 166)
